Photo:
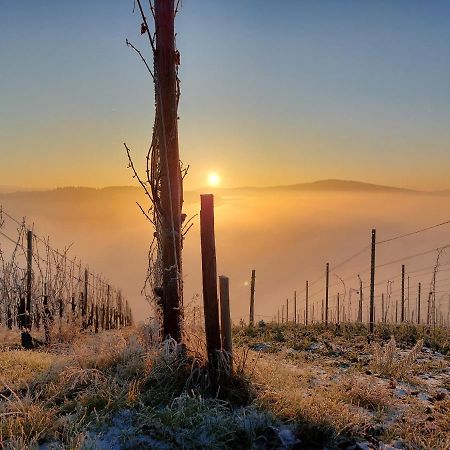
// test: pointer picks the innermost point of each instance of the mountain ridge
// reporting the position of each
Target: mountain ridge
(337, 185)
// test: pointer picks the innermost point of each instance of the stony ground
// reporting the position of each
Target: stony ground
(294, 388)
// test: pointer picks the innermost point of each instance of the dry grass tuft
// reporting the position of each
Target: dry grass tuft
(387, 362)
(26, 419)
(366, 393)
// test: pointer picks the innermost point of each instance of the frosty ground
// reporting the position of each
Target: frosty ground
(294, 387)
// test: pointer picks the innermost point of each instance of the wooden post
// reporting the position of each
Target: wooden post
(419, 293)
(85, 297)
(323, 312)
(27, 322)
(96, 319)
(169, 166)
(21, 311)
(372, 283)
(47, 319)
(73, 308)
(225, 318)
(402, 305)
(102, 319)
(252, 298)
(338, 308)
(120, 310)
(108, 306)
(382, 309)
(209, 270)
(295, 307)
(327, 288)
(306, 302)
(9, 321)
(91, 317)
(278, 317)
(287, 310)
(360, 305)
(407, 301)
(282, 313)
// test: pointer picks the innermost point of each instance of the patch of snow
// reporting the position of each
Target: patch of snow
(287, 437)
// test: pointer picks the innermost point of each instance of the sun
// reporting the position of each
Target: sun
(213, 179)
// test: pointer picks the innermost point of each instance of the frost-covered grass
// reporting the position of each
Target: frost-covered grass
(339, 387)
(292, 388)
(118, 390)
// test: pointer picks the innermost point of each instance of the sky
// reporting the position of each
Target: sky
(272, 92)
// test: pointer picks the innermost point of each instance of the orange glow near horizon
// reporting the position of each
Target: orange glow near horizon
(213, 179)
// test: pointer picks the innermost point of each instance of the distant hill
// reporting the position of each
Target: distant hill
(340, 185)
(133, 193)
(331, 185)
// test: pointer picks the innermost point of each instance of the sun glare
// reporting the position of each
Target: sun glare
(213, 179)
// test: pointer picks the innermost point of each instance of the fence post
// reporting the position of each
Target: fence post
(107, 309)
(306, 302)
(402, 306)
(85, 297)
(252, 298)
(372, 282)
(338, 308)
(96, 319)
(9, 321)
(29, 278)
(408, 315)
(287, 311)
(209, 272)
(225, 318)
(295, 307)
(327, 288)
(419, 293)
(25, 306)
(360, 305)
(73, 308)
(47, 315)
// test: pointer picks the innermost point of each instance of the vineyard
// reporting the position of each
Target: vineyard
(264, 312)
(418, 293)
(47, 290)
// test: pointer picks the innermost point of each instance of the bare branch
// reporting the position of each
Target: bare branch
(129, 44)
(146, 28)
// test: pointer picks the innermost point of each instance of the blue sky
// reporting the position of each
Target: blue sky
(272, 92)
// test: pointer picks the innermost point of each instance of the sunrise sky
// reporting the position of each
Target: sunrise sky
(272, 92)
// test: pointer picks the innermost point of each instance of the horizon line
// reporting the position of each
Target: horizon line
(20, 189)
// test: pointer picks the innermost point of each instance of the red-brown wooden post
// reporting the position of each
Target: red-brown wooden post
(209, 270)
(225, 317)
(295, 306)
(372, 283)
(306, 302)
(327, 289)
(252, 298)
